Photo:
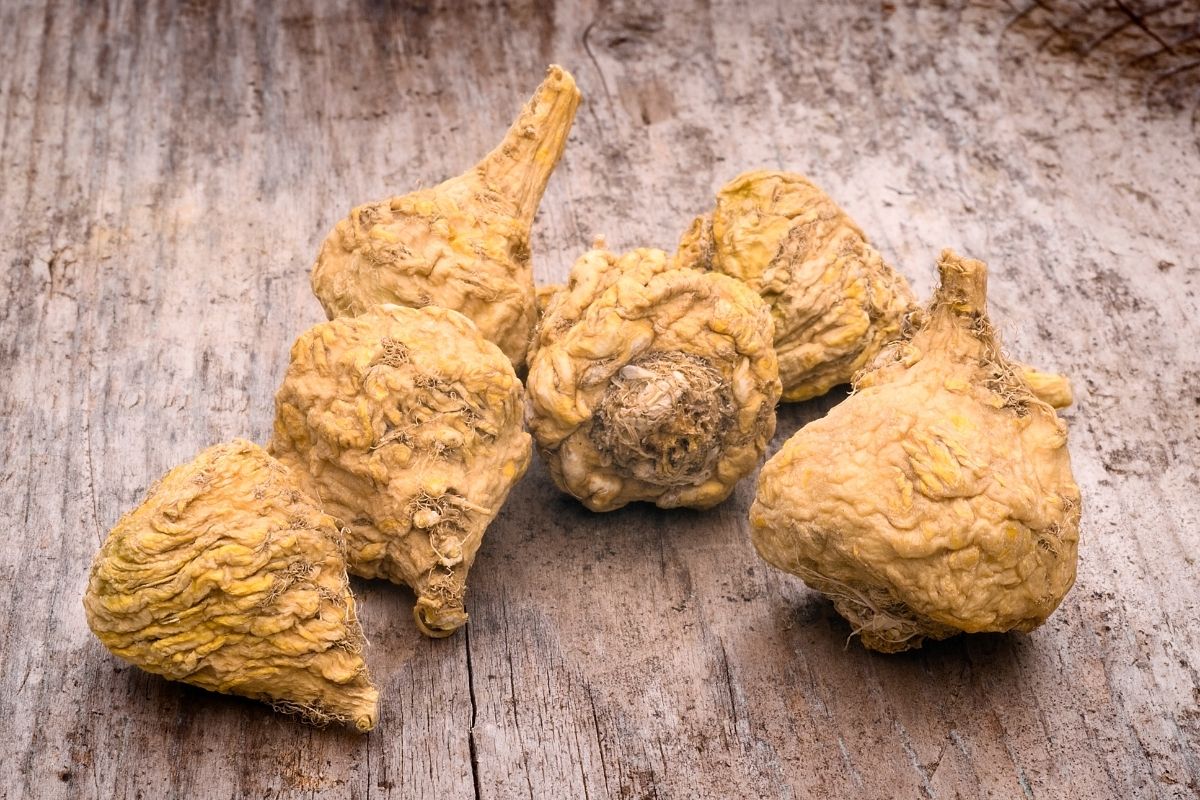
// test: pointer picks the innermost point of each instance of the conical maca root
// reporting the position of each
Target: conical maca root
(936, 499)
(228, 577)
(835, 301)
(406, 424)
(463, 244)
(651, 383)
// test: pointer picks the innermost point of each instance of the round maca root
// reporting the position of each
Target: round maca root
(228, 577)
(463, 244)
(406, 424)
(651, 383)
(835, 301)
(936, 499)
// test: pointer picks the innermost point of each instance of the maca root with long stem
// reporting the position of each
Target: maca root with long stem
(406, 424)
(463, 244)
(228, 577)
(834, 300)
(938, 498)
(651, 383)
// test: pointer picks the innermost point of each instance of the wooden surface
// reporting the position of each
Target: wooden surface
(167, 170)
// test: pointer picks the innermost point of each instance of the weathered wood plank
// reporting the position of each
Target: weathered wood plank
(167, 170)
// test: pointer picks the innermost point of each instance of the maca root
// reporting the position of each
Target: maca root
(463, 244)
(406, 423)
(651, 383)
(938, 498)
(229, 577)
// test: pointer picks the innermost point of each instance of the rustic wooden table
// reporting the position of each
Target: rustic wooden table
(167, 170)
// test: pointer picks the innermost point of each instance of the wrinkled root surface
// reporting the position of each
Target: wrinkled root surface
(439, 610)
(883, 622)
(663, 418)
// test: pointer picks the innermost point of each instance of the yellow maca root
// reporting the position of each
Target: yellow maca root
(463, 244)
(228, 577)
(936, 499)
(835, 301)
(651, 383)
(407, 424)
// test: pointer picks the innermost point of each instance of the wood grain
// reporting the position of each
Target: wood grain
(168, 169)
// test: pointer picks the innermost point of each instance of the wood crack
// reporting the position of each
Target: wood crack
(595, 62)
(599, 739)
(474, 713)
(512, 687)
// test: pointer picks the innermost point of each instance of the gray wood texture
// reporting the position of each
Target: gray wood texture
(167, 171)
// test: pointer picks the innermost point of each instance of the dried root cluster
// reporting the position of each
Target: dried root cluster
(938, 498)
(834, 300)
(399, 435)
(924, 505)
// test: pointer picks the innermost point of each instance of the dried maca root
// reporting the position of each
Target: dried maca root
(406, 423)
(228, 577)
(835, 301)
(651, 383)
(936, 499)
(463, 244)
